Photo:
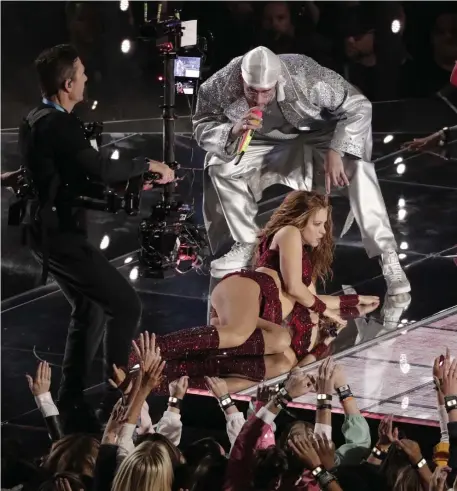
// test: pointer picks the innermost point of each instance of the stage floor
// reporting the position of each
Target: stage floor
(388, 355)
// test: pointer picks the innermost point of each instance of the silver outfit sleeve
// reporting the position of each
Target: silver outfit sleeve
(211, 126)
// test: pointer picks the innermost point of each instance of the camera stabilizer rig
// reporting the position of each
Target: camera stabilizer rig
(169, 240)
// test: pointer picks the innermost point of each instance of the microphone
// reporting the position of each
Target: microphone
(246, 139)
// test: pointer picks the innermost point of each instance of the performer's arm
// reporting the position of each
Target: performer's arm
(352, 133)
(211, 127)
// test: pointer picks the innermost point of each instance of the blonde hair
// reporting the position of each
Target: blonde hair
(147, 468)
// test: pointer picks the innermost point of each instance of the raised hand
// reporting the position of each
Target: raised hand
(339, 377)
(178, 388)
(411, 449)
(42, 381)
(325, 449)
(217, 386)
(324, 381)
(449, 385)
(298, 384)
(304, 450)
(423, 144)
(386, 433)
(438, 480)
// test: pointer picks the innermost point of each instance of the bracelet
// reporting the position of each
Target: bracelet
(450, 403)
(323, 477)
(283, 394)
(324, 397)
(324, 406)
(344, 392)
(349, 301)
(279, 402)
(225, 402)
(318, 306)
(422, 462)
(174, 402)
(378, 453)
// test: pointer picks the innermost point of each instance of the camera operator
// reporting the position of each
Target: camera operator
(60, 160)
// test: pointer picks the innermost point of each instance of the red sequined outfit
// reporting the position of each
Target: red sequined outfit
(299, 320)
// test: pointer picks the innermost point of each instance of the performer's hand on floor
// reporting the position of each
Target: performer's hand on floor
(249, 121)
(334, 171)
(423, 144)
(368, 300)
(334, 316)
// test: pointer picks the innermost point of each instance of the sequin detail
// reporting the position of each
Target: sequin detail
(269, 258)
(251, 368)
(348, 313)
(270, 304)
(349, 301)
(318, 306)
(183, 343)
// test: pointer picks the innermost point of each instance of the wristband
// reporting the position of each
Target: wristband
(422, 462)
(318, 306)
(324, 397)
(324, 406)
(349, 301)
(378, 453)
(225, 402)
(323, 477)
(279, 402)
(174, 402)
(344, 392)
(283, 394)
(450, 403)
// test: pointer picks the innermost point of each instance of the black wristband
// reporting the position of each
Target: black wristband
(378, 453)
(324, 406)
(283, 394)
(225, 402)
(450, 403)
(174, 402)
(280, 402)
(344, 392)
(323, 477)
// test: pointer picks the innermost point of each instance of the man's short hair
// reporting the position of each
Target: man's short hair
(54, 66)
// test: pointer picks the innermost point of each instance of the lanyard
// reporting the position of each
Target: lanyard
(53, 104)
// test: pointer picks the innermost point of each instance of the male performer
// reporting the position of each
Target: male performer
(315, 125)
(60, 161)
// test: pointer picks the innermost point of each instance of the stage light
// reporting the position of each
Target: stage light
(401, 169)
(404, 321)
(398, 160)
(105, 242)
(124, 5)
(115, 155)
(94, 105)
(304, 128)
(401, 203)
(401, 214)
(128, 260)
(396, 26)
(405, 402)
(160, 78)
(134, 273)
(125, 46)
(404, 365)
(402, 256)
(404, 246)
(388, 138)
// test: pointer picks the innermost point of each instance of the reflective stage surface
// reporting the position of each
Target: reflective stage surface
(387, 355)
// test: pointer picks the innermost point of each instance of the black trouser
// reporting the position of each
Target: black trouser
(99, 295)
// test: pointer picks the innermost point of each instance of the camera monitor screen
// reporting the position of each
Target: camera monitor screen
(186, 88)
(187, 66)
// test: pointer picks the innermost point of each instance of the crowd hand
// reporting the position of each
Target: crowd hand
(386, 433)
(298, 384)
(334, 171)
(121, 380)
(411, 449)
(217, 386)
(304, 450)
(423, 144)
(151, 364)
(178, 388)
(168, 175)
(42, 381)
(449, 385)
(325, 374)
(63, 484)
(119, 416)
(249, 121)
(438, 369)
(264, 393)
(12, 180)
(325, 449)
(438, 480)
(339, 377)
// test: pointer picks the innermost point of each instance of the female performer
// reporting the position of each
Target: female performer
(246, 338)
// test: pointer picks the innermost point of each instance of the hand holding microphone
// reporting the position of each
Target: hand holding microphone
(250, 121)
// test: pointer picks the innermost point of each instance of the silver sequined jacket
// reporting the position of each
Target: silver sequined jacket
(313, 95)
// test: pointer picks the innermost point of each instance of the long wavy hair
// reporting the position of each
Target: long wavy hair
(297, 208)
